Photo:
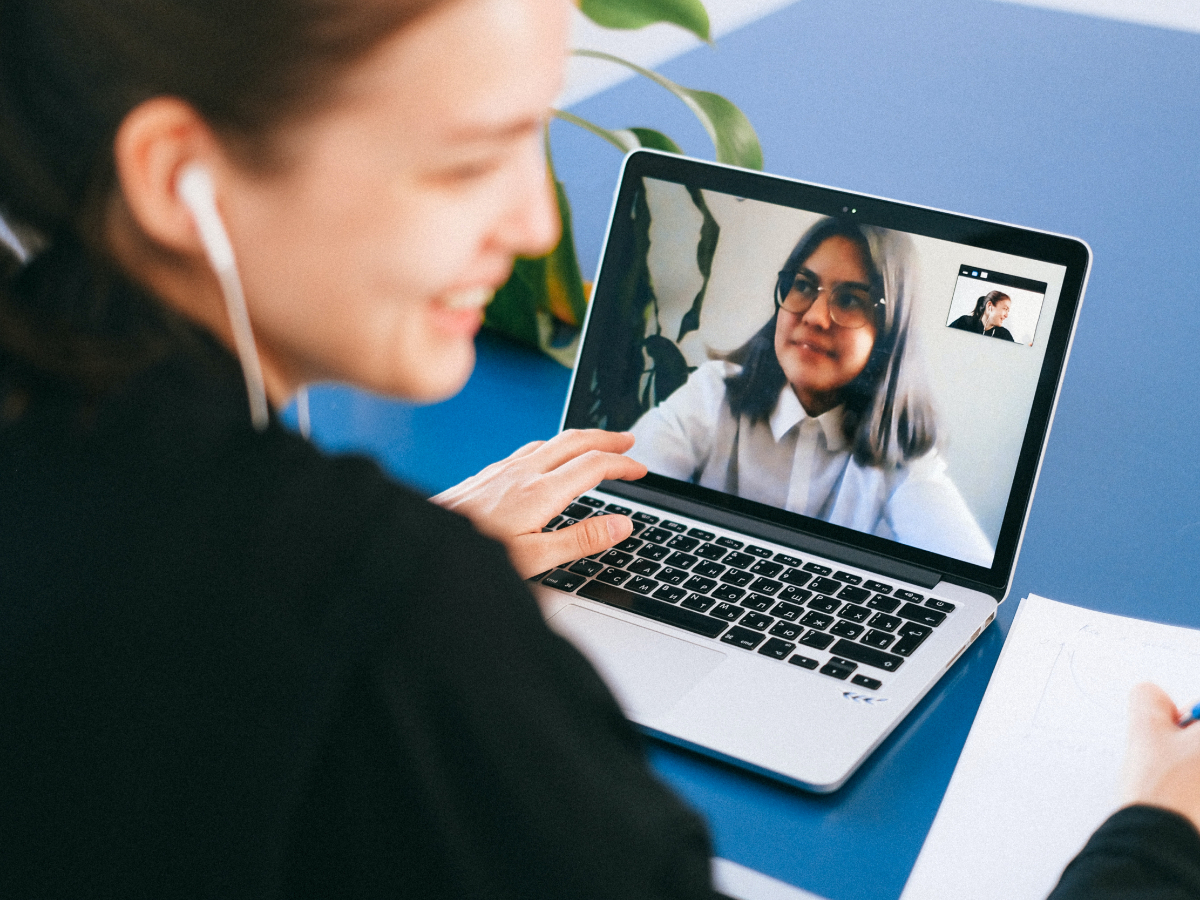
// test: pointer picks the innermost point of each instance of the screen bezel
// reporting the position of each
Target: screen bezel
(1071, 253)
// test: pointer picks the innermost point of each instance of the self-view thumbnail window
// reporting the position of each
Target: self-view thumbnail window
(996, 305)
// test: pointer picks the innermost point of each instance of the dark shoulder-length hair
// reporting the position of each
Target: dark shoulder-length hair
(888, 415)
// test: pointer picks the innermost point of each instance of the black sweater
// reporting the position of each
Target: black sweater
(233, 666)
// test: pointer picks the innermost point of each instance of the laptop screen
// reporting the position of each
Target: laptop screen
(875, 373)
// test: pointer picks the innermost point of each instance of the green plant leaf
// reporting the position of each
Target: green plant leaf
(629, 14)
(624, 139)
(655, 140)
(732, 134)
(710, 233)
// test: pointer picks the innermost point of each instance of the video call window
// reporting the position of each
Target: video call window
(996, 305)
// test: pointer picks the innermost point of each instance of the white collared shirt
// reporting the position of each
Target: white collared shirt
(803, 463)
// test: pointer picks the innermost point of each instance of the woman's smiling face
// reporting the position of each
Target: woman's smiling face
(818, 356)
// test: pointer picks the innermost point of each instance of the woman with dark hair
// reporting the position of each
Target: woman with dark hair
(824, 411)
(988, 317)
(234, 666)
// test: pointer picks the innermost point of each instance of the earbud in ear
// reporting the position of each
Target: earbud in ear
(198, 193)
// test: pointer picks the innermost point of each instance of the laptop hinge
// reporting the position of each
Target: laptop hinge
(778, 534)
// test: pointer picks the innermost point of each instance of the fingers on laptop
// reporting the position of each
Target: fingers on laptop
(534, 553)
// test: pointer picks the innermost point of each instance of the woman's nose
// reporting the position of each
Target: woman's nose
(817, 315)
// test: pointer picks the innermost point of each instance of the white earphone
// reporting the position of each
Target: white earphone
(196, 190)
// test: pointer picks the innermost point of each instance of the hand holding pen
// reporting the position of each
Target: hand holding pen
(1162, 758)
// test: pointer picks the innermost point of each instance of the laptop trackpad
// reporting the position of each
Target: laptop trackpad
(649, 672)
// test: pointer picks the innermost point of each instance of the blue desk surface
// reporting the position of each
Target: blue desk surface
(1057, 121)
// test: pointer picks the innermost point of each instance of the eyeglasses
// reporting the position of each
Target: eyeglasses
(850, 306)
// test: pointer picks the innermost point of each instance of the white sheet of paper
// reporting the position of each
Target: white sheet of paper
(1040, 768)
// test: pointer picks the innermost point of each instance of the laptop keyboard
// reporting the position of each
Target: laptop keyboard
(806, 613)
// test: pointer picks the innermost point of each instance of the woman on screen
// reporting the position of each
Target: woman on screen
(824, 411)
(988, 318)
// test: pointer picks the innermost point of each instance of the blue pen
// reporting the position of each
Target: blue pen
(1191, 716)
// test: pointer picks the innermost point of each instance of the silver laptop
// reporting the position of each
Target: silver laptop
(843, 403)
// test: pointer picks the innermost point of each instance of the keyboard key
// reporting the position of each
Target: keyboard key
(882, 603)
(563, 522)
(884, 622)
(670, 593)
(701, 534)
(765, 586)
(709, 569)
(645, 518)
(563, 581)
(613, 576)
(742, 637)
(642, 567)
(911, 637)
(794, 594)
(817, 568)
(848, 577)
(846, 629)
(577, 511)
(680, 560)
(653, 551)
(796, 577)
(872, 684)
(910, 596)
(657, 535)
(642, 585)
(698, 602)
(816, 640)
(591, 501)
(652, 609)
(680, 542)
(728, 593)
(867, 655)
(786, 560)
(878, 586)
(854, 613)
(922, 614)
(553, 523)
(710, 551)
(879, 639)
(803, 662)
(699, 585)
(672, 576)
(618, 510)
(759, 551)
(758, 602)
(628, 545)
(825, 585)
(777, 649)
(637, 527)
(738, 560)
(768, 569)
(788, 611)
(727, 611)
(730, 543)
(835, 671)
(615, 558)
(940, 605)
(673, 526)
(737, 577)
(586, 567)
(824, 604)
(757, 621)
(854, 594)
(787, 630)
(816, 620)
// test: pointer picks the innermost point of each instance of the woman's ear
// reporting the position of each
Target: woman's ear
(155, 142)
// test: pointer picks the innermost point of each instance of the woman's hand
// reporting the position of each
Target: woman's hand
(1162, 760)
(513, 499)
